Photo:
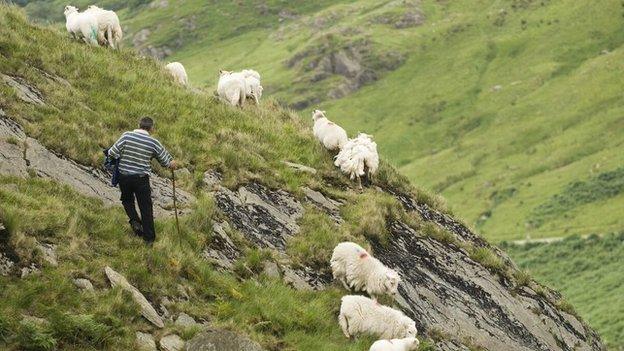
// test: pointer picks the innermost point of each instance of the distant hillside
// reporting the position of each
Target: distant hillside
(250, 263)
(589, 273)
(503, 106)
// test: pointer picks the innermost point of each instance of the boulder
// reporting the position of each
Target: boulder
(147, 310)
(171, 342)
(221, 340)
(221, 251)
(328, 205)
(48, 252)
(184, 320)
(145, 342)
(300, 168)
(83, 284)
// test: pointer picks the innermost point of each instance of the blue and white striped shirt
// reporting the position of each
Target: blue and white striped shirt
(135, 150)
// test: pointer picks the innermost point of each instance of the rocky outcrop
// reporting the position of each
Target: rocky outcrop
(448, 293)
(221, 251)
(147, 310)
(23, 89)
(7, 256)
(23, 156)
(83, 284)
(221, 340)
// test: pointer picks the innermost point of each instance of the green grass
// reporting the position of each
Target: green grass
(588, 272)
(498, 155)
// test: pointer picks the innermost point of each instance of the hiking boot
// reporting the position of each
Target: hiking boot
(137, 228)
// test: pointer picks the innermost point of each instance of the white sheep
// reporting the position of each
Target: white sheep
(331, 135)
(177, 71)
(361, 315)
(109, 29)
(358, 157)
(81, 25)
(357, 269)
(406, 344)
(232, 87)
(254, 89)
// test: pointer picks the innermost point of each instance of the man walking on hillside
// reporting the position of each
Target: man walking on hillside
(135, 150)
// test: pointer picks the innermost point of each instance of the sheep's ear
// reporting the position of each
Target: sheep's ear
(221, 71)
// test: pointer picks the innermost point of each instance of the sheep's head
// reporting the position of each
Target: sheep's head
(93, 7)
(391, 283)
(318, 114)
(408, 327)
(411, 343)
(70, 9)
(223, 73)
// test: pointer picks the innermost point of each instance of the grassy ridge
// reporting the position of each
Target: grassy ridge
(589, 274)
(495, 97)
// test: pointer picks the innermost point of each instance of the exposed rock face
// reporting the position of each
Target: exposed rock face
(446, 291)
(222, 251)
(267, 218)
(49, 253)
(221, 340)
(21, 155)
(326, 204)
(24, 91)
(147, 310)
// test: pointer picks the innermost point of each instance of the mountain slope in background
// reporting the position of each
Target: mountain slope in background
(252, 255)
(503, 106)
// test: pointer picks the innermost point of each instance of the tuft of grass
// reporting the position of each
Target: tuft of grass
(35, 337)
(81, 330)
(488, 259)
(368, 213)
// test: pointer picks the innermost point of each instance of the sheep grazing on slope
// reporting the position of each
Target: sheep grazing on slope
(406, 344)
(331, 135)
(109, 29)
(177, 71)
(361, 315)
(254, 89)
(358, 157)
(357, 269)
(81, 25)
(232, 87)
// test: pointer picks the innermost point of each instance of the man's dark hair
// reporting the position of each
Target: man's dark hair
(146, 123)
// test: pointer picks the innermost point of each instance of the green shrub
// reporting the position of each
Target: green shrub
(35, 337)
(81, 330)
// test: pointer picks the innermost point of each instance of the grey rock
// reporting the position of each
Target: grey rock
(212, 178)
(147, 310)
(300, 168)
(83, 284)
(49, 253)
(6, 265)
(145, 342)
(221, 340)
(345, 64)
(221, 251)
(141, 37)
(88, 181)
(330, 206)
(305, 278)
(266, 217)
(184, 320)
(171, 342)
(29, 270)
(24, 90)
(271, 270)
(295, 280)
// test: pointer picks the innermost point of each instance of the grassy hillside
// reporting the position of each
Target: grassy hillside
(91, 95)
(503, 106)
(589, 274)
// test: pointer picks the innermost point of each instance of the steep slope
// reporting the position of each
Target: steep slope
(588, 273)
(254, 247)
(501, 106)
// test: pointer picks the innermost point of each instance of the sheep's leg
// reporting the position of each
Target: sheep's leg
(234, 99)
(256, 100)
(109, 38)
(360, 184)
(344, 283)
(344, 325)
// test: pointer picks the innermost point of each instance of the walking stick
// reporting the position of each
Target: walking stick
(175, 205)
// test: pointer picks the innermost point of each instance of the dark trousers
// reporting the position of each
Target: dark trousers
(138, 186)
